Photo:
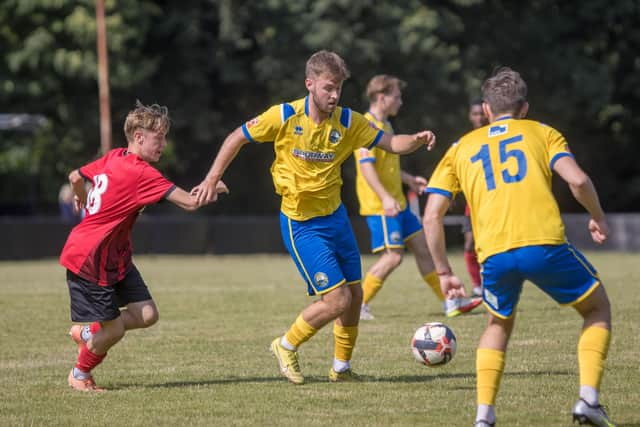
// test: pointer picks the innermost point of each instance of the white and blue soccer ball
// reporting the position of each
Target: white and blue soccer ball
(433, 344)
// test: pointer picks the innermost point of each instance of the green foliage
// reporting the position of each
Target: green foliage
(217, 63)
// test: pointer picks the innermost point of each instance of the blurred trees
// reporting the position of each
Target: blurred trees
(217, 63)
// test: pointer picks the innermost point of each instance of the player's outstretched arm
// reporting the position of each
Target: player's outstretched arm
(404, 144)
(389, 204)
(189, 201)
(79, 191)
(585, 193)
(207, 190)
(433, 224)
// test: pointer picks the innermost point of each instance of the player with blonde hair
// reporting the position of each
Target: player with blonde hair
(312, 137)
(504, 170)
(101, 275)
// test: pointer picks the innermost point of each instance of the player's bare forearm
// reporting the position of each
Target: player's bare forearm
(206, 191)
(405, 144)
(228, 151)
(433, 224)
(581, 186)
(80, 192)
(371, 176)
(586, 194)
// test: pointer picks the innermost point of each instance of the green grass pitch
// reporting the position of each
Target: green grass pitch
(207, 362)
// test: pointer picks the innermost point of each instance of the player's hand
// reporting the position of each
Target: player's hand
(390, 206)
(427, 138)
(78, 204)
(207, 191)
(418, 184)
(599, 230)
(451, 286)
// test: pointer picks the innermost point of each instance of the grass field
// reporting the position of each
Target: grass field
(207, 362)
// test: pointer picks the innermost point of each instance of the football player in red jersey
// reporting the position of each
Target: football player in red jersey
(97, 255)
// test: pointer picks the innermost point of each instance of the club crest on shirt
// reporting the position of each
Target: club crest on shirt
(297, 130)
(334, 136)
(321, 279)
(498, 130)
(252, 122)
(395, 237)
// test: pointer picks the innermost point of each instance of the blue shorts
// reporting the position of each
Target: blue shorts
(324, 249)
(560, 271)
(392, 231)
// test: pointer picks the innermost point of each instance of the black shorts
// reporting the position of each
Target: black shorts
(91, 302)
(466, 225)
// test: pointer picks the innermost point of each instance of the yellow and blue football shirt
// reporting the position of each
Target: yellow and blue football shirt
(306, 170)
(504, 170)
(387, 166)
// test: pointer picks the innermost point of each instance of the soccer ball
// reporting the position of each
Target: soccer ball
(433, 344)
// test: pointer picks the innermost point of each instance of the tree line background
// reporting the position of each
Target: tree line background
(217, 63)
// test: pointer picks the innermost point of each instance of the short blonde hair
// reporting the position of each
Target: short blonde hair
(383, 83)
(505, 91)
(153, 118)
(327, 62)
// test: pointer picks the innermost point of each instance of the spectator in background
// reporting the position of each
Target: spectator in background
(65, 203)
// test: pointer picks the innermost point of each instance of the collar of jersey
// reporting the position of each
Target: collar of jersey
(508, 116)
(306, 108)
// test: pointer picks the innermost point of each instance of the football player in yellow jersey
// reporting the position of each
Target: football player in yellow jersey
(312, 137)
(391, 223)
(504, 170)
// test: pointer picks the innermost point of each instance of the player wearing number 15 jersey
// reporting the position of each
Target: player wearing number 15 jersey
(504, 170)
(97, 255)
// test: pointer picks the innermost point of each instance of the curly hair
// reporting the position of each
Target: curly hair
(154, 118)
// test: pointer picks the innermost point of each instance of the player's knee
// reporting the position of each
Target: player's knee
(150, 316)
(150, 319)
(340, 303)
(393, 259)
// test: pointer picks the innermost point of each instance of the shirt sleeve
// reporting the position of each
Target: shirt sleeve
(362, 132)
(364, 155)
(265, 127)
(152, 186)
(557, 146)
(90, 170)
(444, 179)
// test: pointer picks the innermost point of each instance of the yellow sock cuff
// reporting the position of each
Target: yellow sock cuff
(370, 287)
(489, 369)
(593, 347)
(433, 281)
(300, 332)
(345, 340)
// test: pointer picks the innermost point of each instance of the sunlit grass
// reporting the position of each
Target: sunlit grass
(207, 362)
